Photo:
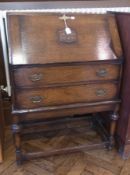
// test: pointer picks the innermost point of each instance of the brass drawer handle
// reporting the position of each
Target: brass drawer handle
(101, 92)
(36, 99)
(102, 73)
(36, 77)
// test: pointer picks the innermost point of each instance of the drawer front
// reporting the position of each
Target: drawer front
(65, 95)
(40, 76)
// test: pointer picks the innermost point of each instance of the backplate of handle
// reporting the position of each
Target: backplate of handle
(36, 99)
(101, 92)
(36, 77)
(102, 73)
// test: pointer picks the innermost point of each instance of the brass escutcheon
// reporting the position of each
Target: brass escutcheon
(36, 99)
(101, 92)
(102, 73)
(36, 77)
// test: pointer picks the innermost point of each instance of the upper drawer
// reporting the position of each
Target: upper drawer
(34, 98)
(51, 75)
(40, 38)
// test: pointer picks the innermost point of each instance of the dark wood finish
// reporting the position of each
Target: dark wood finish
(71, 74)
(52, 96)
(68, 150)
(1, 130)
(57, 124)
(123, 129)
(63, 112)
(97, 39)
(114, 118)
(41, 76)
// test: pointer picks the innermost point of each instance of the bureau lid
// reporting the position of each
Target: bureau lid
(41, 38)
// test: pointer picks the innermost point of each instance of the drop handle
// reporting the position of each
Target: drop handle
(102, 73)
(101, 92)
(36, 77)
(36, 99)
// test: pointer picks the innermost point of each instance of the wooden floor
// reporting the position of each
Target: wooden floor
(98, 162)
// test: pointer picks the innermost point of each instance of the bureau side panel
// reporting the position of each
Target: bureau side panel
(123, 129)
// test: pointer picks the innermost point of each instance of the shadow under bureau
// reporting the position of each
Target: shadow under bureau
(62, 65)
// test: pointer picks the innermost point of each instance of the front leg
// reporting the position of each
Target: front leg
(114, 117)
(17, 142)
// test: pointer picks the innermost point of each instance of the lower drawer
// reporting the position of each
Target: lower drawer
(55, 96)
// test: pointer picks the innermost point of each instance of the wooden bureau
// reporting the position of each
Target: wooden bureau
(63, 65)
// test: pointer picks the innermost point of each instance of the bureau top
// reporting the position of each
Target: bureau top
(41, 38)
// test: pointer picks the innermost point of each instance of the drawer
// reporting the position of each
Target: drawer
(43, 97)
(42, 75)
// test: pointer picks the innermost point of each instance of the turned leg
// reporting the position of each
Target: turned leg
(17, 142)
(114, 117)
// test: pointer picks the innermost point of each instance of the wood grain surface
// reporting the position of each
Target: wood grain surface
(35, 98)
(34, 40)
(40, 76)
(77, 85)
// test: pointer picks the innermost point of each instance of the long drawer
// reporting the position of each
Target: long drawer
(48, 75)
(34, 98)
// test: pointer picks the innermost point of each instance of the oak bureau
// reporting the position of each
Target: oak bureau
(62, 65)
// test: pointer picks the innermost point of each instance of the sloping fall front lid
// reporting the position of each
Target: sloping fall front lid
(41, 38)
